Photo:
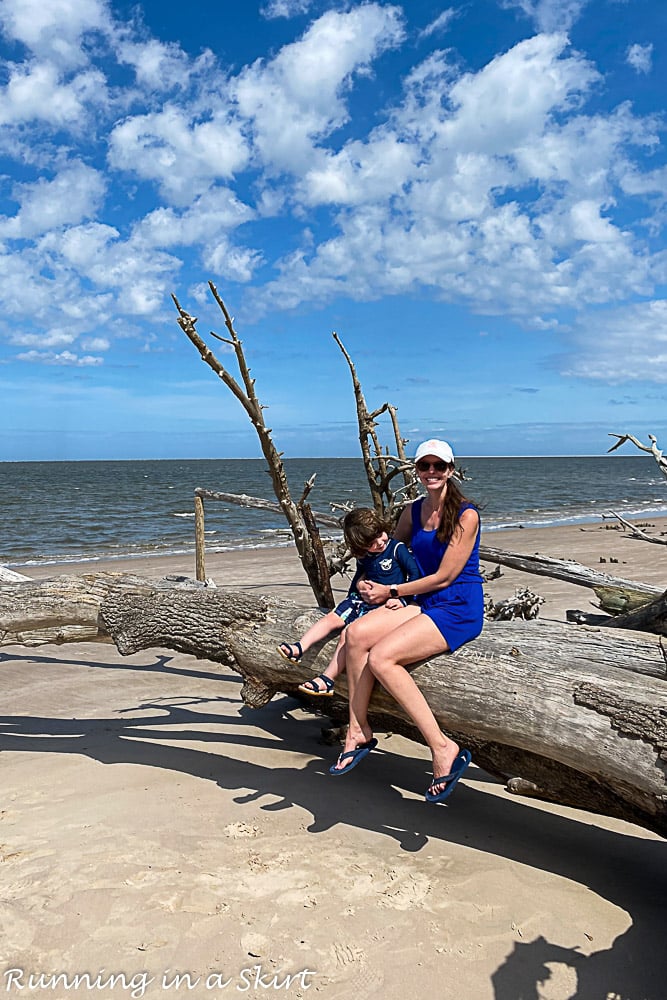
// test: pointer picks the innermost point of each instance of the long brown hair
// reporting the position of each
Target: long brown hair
(450, 522)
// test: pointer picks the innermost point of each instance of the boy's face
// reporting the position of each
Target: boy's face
(379, 544)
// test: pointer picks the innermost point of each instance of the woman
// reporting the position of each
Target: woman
(443, 531)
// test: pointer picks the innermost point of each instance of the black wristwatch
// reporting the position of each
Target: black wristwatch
(393, 591)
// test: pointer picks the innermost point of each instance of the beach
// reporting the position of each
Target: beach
(153, 827)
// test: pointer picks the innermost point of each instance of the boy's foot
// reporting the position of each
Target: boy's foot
(320, 687)
(286, 650)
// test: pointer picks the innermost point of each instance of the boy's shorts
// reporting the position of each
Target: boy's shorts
(354, 606)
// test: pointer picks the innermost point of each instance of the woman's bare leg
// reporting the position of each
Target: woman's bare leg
(361, 636)
(417, 639)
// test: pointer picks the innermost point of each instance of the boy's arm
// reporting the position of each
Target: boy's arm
(407, 562)
(359, 575)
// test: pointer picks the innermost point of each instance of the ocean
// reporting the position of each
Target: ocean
(59, 512)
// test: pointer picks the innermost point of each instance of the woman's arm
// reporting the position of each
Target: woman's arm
(453, 561)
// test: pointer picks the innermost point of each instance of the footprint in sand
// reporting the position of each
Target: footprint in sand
(404, 891)
(239, 830)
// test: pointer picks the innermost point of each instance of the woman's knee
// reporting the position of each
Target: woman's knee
(380, 664)
(356, 636)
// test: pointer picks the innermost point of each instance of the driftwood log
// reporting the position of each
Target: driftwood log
(580, 714)
(67, 608)
(615, 594)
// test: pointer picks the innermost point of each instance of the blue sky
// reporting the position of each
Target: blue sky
(474, 196)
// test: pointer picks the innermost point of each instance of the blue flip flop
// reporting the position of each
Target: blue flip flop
(356, 756)
(458, 768)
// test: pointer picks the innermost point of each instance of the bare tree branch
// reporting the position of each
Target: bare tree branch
(636, 531)
(652, 449)
(302, 525)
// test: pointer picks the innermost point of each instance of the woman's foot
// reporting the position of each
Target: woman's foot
(443, 761)
(287, 651)
(360, 741)
(442, 787)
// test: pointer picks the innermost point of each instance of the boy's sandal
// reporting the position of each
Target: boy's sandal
(286, 650)
(314, 690)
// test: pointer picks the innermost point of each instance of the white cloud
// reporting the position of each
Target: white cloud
(51, 338)
(161, 66)
(640, 57)
(286, 8)
(35, 93)
(362, 172)
(297, 97)
(436, 196)
(182, 154)
(617, 345)
(231, 262)
(54, 30)
(95, 344)
(72, 196)
(514, 95)
(490, 187)
(137, 273)
(212, 213)
(441, 23)
(66, 358)
(549, 15)
(206, 224)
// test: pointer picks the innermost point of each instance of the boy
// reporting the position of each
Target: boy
(379, 558)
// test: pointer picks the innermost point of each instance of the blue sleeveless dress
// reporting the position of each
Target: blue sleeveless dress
(457, 610)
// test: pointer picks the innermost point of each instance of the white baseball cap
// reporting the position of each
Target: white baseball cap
(435, 447)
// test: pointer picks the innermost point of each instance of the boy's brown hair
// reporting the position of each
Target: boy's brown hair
(361, 527)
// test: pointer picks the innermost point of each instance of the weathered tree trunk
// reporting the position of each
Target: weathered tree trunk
(578, 713)
(615, 594)
(581, 713)
(9, 576)
(67, 608)
(651, 617)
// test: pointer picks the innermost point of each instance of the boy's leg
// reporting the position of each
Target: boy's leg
(323, 684)
(331, 622)
(336, 666)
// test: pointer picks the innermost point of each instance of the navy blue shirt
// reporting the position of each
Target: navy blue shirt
(393, 566)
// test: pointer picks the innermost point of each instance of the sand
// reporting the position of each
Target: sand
(152, 826)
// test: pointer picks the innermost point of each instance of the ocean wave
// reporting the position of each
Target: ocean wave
(123, 513)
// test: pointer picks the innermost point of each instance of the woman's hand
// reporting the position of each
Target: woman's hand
(362, 588)
(376, 593)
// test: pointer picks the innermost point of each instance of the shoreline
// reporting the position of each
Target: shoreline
(606, 547)
(582, 523)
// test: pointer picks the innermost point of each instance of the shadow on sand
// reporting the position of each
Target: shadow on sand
(628, 871)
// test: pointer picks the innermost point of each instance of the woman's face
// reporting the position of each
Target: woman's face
(433, 472)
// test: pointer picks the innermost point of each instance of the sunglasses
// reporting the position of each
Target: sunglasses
(438, 466)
